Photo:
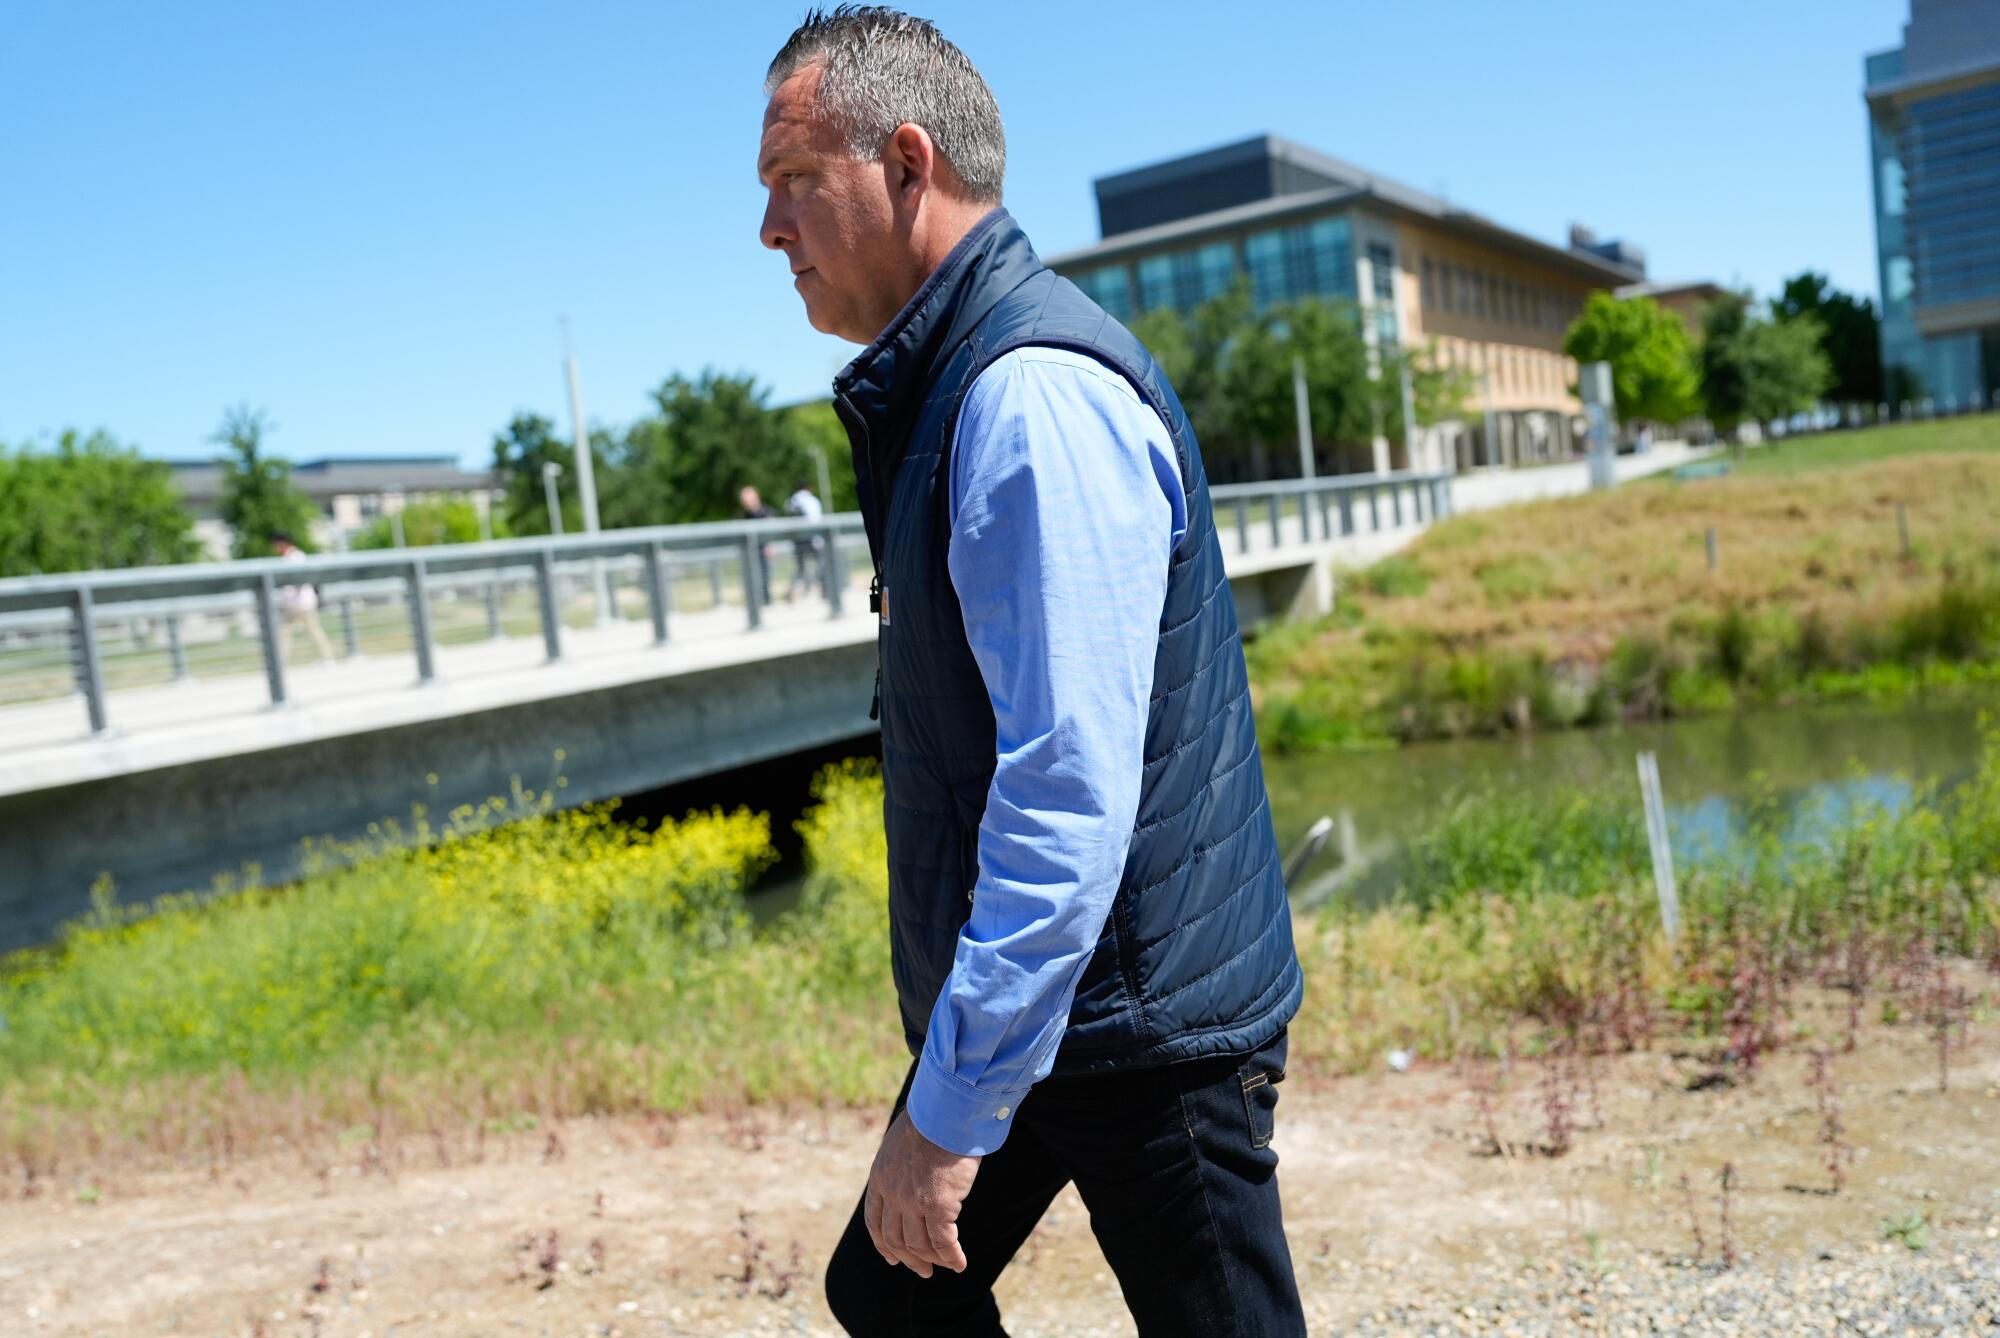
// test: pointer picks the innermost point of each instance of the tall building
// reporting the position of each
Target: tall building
(1421, 270)
(1934, 133)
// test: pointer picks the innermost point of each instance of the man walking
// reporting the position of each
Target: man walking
(1089, 934)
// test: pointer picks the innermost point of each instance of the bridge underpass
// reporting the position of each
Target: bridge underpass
(164, 747)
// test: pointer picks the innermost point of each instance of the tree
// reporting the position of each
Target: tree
(1192, 351)
(1851, 335)
(711, 436)
(818, 428)
(520, 450)
(1785, 370)
(88, 505)
(451, 520)
(1758, 370)
(1348, 405)
(258, 496)
(1439, 391)
(1654, 373)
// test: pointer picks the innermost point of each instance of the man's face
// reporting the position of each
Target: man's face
(833, 217)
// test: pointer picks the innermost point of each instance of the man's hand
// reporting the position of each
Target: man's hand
(915, 1190)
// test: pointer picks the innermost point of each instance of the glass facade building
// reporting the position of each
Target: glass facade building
(1289, 223)
(1934, 141)
(1311, 259)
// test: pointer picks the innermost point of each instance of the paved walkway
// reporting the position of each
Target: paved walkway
(48, 743)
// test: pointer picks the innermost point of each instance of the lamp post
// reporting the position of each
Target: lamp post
(551, 471)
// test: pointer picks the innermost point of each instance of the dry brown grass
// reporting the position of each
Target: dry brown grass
(1573, 570)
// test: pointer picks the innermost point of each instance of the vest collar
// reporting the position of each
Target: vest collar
(884, 384)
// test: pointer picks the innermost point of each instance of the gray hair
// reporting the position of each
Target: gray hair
(882, 68)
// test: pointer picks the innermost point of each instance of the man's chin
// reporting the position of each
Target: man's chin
(827, 323)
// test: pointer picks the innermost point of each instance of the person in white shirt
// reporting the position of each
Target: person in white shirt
(299, 604)
(805, 548)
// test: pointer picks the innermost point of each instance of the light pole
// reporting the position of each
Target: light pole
(586, 481)
(825, 479)
(551, 471)
(1302, 409)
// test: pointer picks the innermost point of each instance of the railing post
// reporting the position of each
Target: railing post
(1396, 505)
(715, 583)
(1325, 514)
(271, 638)
(1346, 501)
(1277, 505)
(830, 574)
(350, 636)
(545, 587)
(493, 606)
(659, 593)
(176, 652)
(1417, 501)
(420, 621)
(753, 586)
(1374, 510)
(89, 666)
(1242, 525)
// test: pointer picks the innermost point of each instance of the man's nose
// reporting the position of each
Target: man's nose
(776, 228)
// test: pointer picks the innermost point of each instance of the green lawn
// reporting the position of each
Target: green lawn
(1830, 450)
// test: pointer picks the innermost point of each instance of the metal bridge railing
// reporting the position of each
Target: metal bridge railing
(95, 635)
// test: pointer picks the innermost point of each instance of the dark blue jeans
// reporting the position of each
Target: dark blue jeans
(1176, 1167)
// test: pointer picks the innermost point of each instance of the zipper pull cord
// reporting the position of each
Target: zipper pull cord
(875, 706)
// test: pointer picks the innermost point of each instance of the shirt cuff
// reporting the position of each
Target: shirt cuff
(957, 1116)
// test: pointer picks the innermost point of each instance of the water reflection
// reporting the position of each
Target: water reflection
(1799, 773)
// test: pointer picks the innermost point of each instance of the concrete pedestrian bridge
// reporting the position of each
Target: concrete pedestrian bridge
(169, 724)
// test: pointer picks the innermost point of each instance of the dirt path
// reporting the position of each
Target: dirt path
(1401, 1220)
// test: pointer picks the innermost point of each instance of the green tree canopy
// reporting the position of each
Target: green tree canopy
(87, 505)
(710, 436)
(819, 428)
(258, 496)
(1232, 368)
(1758, 370)
(1439, 391)
(520, 450)
(1851, 334)
(1348, 406)
(451, 520)
(1192, 351)
(1654, 373)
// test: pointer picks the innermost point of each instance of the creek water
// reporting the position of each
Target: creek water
(1809, 764)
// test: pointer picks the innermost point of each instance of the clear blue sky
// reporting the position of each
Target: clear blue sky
(367, 218)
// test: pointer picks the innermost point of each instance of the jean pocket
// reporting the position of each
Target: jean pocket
(1259, 1081)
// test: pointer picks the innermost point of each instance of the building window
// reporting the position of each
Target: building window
(1382, 267)
(1312, 260)
(1156, 282)
(1211, 270)
(1428, 291)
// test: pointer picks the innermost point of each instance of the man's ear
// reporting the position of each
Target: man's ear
(912, 159)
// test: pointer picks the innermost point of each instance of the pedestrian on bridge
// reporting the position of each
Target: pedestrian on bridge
(1089, 934)
(299, 604)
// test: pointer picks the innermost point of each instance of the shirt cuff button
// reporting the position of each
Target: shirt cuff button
(1002, 1113)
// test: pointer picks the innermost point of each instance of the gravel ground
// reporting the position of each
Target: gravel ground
(1890, 1290)
(1399, 1222)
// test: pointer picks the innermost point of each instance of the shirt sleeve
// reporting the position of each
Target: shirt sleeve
(1066, 504)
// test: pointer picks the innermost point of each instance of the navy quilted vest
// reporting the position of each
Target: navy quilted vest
(1196, 956)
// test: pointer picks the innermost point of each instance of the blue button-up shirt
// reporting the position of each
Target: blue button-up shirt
(1066, 504)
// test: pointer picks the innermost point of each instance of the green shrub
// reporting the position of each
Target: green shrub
(1516, 579)
(1397, 576)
